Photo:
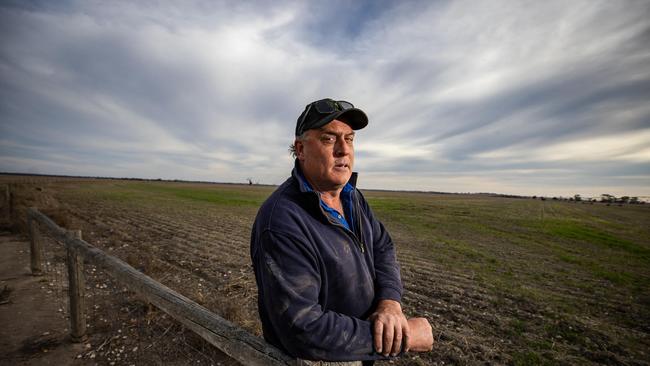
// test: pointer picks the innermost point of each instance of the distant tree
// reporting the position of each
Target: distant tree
(607, 198)
(624, 199)
(634, 200)
(577, 197)
(250, 181)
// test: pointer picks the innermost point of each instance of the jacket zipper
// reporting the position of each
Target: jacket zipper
(358, 241)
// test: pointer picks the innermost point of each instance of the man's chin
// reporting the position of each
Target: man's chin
(341, 179)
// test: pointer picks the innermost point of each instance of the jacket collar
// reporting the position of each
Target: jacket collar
(297, 174)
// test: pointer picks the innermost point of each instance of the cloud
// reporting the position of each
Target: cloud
(462, 96)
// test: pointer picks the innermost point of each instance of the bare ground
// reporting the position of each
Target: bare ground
(32, 330)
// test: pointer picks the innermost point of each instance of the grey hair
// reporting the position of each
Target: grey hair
(292, 147)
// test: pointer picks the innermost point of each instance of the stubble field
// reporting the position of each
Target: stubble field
(502, 280)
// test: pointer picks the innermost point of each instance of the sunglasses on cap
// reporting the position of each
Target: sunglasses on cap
(325, 106)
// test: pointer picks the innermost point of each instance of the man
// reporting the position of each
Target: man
(328, 281)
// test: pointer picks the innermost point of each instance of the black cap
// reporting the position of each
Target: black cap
(321, 112)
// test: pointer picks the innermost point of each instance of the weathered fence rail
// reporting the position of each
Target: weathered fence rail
(232, 340)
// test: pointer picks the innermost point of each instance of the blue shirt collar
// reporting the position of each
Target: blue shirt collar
(346, 198)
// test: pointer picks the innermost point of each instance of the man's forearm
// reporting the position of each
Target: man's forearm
(421, 336)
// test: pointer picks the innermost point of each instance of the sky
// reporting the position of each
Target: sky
(514, 97)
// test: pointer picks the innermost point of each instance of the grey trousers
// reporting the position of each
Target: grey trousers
(301, 362)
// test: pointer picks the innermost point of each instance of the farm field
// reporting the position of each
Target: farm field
(502, 280)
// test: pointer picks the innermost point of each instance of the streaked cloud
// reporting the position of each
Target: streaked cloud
(464, 96)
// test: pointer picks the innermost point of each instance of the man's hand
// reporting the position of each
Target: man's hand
(390, 327)
(421, 339)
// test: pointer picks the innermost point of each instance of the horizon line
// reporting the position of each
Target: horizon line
(275, 185)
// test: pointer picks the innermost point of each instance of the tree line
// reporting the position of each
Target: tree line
(604, 198)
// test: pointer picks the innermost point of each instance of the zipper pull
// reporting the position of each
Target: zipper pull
(362, 246)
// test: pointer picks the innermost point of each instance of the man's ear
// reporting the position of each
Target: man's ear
(300, 149)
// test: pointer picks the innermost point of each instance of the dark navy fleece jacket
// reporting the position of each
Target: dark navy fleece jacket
(317, 281)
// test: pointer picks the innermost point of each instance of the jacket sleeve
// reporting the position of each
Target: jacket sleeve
(288, 272)
(388, 282)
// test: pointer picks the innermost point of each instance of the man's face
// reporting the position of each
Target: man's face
(326, 155)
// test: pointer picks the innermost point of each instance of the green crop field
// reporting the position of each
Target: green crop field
(561, 282)
(502, 280)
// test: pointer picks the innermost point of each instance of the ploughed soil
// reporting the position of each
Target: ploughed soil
(201, 249)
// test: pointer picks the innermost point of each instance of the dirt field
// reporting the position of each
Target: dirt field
(502, 280)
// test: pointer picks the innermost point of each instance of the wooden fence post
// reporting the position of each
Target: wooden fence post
(6, 200)
(35, 246)
(76, 291)
(10, 202)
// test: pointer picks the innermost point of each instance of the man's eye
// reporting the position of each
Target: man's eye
(328, 139)
(349, 139)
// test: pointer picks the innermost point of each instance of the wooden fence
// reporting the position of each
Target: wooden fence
(232, 340)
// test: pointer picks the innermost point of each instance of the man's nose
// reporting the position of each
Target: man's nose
(342, 147)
